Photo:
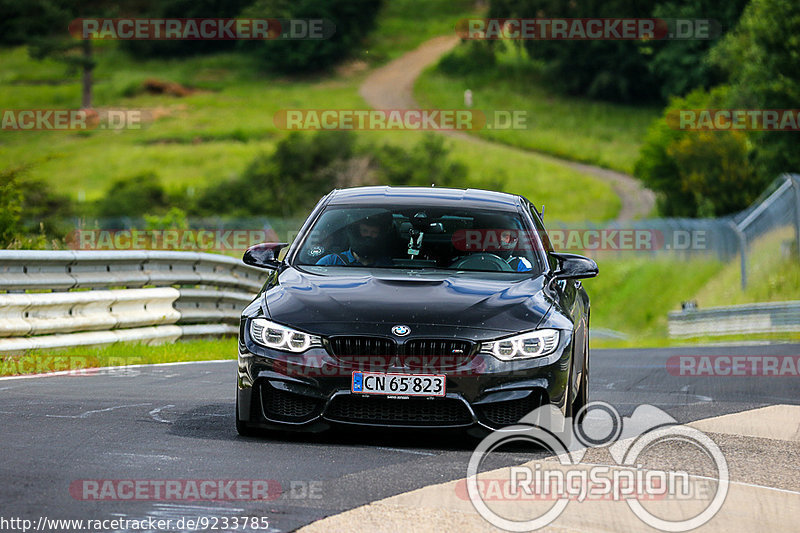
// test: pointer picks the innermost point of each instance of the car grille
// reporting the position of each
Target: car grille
(286, 406)
(436, 354)
(500, 414)
(352, 346)
(404, 412)
(378, 353)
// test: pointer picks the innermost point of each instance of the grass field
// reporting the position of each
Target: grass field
(771, 276)
(82, 361)
(603, 134)
(405, 24)
(634, 294)
(214, 133)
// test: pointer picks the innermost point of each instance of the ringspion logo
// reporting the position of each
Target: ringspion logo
(548, 487)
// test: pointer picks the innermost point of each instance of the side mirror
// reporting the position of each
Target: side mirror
(573, 266)
(264, 255)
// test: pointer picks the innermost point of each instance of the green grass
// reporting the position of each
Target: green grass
(603, 134)
(633, 295)
(771, 276)
(121, 354)
(213, 134)
(668, 342)
(569, 195)
(405, 24)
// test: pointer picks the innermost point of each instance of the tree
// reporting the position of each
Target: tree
(681, 65)
(43, 26)
(353, 20)
(762, 62)
(698, 173)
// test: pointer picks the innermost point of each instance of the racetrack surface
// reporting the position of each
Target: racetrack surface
(176, 422)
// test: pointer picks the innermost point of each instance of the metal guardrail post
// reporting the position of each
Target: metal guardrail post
(742, 253)
(796, 188)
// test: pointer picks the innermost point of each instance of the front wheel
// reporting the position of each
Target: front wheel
(582, 399)
(242, 427)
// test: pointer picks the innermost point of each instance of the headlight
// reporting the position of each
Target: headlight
(537, 343)
(280, 337)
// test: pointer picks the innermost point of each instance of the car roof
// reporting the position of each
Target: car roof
(428, 196)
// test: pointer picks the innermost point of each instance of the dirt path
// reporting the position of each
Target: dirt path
(392, 87)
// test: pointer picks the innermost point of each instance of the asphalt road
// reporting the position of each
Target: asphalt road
(176, 422)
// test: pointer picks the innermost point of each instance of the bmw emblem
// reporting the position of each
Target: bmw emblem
(401, 331)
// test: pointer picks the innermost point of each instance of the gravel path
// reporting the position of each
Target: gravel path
(392, 87)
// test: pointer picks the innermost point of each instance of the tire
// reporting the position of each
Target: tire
(582, 399)
(242, 427)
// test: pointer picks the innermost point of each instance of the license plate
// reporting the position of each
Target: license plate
(398, 384)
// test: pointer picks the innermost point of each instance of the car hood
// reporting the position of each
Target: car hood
(370, 302)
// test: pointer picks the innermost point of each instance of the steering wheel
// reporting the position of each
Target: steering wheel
(482, 261)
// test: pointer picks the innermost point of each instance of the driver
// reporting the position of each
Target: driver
(368, 243)
(508, 244)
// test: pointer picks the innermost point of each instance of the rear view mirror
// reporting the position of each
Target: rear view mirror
(573, 266)
(264, 255)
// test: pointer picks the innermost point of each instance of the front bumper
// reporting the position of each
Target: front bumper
(311, 392)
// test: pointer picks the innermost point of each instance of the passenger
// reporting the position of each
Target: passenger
(368, 243)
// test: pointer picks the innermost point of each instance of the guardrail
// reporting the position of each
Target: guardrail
(51, 299)
(773, 317)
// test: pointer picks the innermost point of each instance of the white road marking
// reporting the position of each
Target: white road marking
(417, 452)
(87, 414)
(147, 455)
(155, 414)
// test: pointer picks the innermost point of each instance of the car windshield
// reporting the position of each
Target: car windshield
(432, 238)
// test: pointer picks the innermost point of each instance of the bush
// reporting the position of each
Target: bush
(303, 168)
(425, 164)
(134, 196)
(289, 181)
(698, 173)
(475, 56)
(353, 20)
(11, 200)
(31, 215)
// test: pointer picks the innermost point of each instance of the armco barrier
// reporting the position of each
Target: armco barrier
(773, 317)
(51, 299)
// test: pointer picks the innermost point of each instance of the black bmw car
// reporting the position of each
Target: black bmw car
(414, 307)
